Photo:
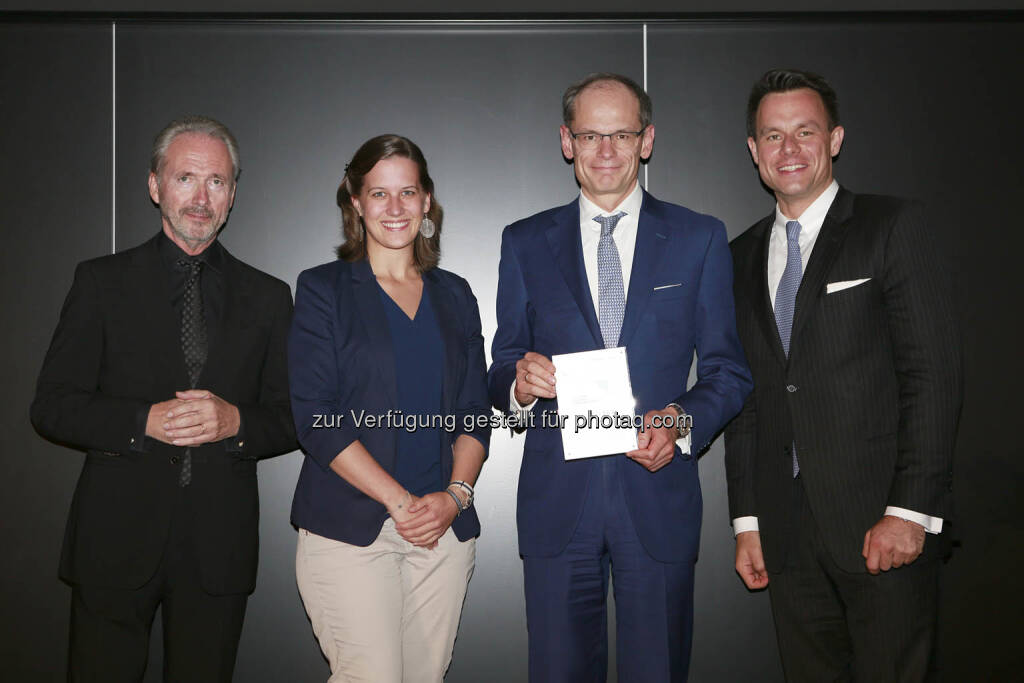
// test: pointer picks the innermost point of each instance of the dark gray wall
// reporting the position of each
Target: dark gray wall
(925, 117)
(55, 180)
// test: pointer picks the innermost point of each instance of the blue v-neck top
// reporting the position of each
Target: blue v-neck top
(419, 354)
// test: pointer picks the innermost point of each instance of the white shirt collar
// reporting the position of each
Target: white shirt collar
(814, 215)
(630, 206)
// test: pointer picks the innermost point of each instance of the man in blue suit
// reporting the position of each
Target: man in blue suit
(615, 267)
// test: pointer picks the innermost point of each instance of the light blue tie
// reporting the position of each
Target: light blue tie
(785, 296)
(611, 295)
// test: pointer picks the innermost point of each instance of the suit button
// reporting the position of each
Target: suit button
(132, 441)
(174, 460)
(791, 388)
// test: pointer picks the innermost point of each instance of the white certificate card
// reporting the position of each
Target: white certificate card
(595, 403)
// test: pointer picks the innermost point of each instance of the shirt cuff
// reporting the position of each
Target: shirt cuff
(236, 443)
(741, 524)
(684, 444)
(932, 525)
(514, 407)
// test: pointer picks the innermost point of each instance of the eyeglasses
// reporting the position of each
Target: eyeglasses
(623, 139)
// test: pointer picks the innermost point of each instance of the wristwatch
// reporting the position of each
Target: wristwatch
(684, 421)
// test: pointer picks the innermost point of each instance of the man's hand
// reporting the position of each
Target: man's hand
(199, 417)
(427, 520)
(750, 560)
(158, 416)
(535, 378)
(656, 444)
(891, 543)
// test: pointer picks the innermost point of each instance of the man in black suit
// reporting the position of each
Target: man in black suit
(839, 466)
(168, 368)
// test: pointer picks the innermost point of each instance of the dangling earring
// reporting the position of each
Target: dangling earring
(427, 227)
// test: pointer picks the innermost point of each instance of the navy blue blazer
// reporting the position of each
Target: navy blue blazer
(340, 361)
(679, 301)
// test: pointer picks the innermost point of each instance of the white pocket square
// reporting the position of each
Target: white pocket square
(678, 284)
(833, 287)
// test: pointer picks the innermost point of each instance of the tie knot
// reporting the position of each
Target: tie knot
(192, 265)
(608, 223)
(792, 230)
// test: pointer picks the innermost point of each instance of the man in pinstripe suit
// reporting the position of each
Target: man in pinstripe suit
(839, 465)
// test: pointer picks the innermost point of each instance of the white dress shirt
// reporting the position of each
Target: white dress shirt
(810, 225)
(625, 241)
(624, 237)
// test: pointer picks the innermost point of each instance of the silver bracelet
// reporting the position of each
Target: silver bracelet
(465, 487)
(458, 503)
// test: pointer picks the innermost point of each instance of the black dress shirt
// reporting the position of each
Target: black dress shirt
(212, 284)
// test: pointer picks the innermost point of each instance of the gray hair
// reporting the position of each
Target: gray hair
(573, 91)
(193, 124)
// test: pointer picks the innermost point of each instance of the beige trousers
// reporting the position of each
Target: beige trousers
(386, 613)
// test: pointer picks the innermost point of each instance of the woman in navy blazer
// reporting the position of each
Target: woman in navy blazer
(388, 389)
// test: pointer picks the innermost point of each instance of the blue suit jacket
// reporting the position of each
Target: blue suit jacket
(340, 359)
(544, 305)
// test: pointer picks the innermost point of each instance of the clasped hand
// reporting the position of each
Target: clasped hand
(422, 521)
(192, 418)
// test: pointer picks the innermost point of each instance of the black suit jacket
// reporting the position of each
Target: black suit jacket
(116, 351)
(871, 390)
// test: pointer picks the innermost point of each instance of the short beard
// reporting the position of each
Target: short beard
(190, 240)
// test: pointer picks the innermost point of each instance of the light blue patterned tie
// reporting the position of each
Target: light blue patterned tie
(611, 295)
(785, 296)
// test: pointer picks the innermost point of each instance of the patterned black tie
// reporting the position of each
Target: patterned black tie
(193, 340)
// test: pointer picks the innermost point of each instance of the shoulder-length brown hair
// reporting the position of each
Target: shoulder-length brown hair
(426, 251)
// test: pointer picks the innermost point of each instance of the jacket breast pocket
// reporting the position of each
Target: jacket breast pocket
(671, 290)
(852, 296)
(669, 301)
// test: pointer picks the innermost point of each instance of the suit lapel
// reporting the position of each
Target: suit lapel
(763, 310)
(567, 250)
(224, 332)
(651, 238)
(149, 282)
(371, 311)
(812, 285)
(448, 325)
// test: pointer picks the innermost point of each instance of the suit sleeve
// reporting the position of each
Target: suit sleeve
(925, 338)
(741, 432)
(316, 382)
(69, 406)
(471, 403)
(514, 336)
(266, 426)
(740, 449)
(723, 378)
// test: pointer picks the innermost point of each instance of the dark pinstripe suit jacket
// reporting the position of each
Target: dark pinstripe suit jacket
(871, 390)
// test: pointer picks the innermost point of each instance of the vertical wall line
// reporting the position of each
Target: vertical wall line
(113, 137)
(647, 182)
